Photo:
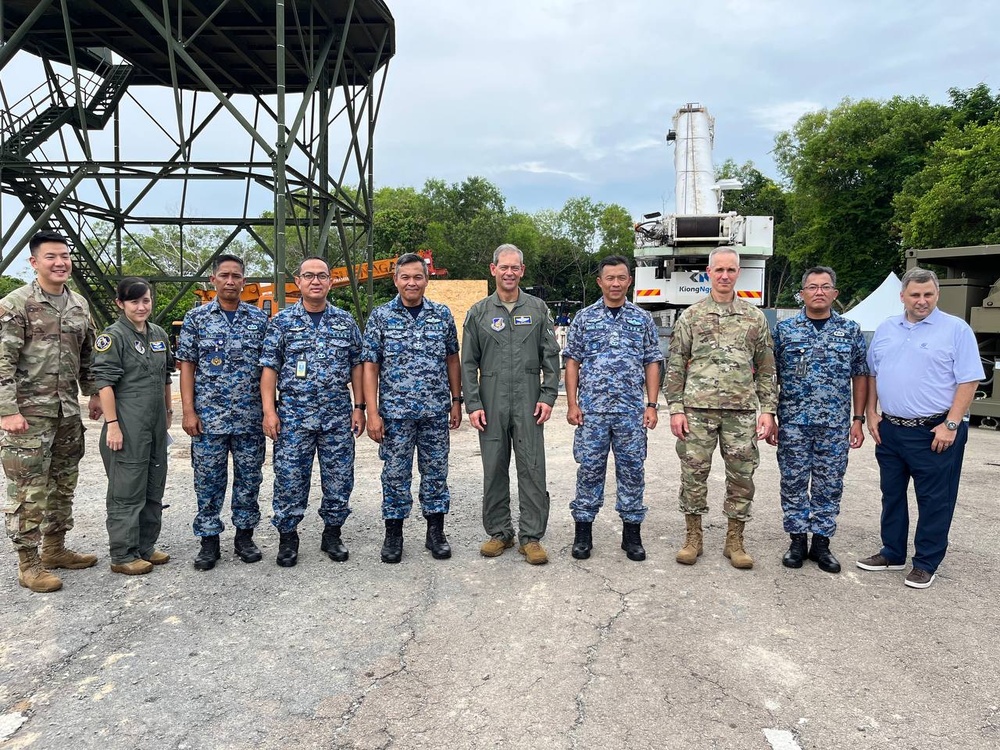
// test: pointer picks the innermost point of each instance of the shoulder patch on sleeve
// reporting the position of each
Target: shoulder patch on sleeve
(103, 343)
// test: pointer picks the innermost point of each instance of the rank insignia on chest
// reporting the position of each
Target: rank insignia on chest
(253, 327)
(139, 347)
(103, 343)
(216, 361)
(840, 334)
(498, 324)
(522, 320)
(158, 346)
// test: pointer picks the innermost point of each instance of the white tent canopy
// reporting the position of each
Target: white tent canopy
(878, 305)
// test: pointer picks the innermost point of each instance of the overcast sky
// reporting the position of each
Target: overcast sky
(551, 99)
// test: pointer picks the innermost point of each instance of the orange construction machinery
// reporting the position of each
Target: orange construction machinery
(261, 294)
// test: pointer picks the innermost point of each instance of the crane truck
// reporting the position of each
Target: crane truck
(671, 252)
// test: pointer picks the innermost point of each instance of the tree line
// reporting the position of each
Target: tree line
(865, 181)
(857, 185)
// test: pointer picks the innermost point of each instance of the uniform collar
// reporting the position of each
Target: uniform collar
(41, 295)
(500, 303)
(397, 303)
(299, 310)
(723, 308)
(804, 319)
(123, 319)
(214, 306)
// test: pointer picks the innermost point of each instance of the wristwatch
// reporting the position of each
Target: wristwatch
(951, 425)
(361, 407)
(859, 418)
(653, 405)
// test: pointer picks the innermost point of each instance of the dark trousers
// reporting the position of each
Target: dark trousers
(906, 452)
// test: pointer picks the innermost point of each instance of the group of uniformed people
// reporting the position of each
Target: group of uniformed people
(312, 383)
(49, 350)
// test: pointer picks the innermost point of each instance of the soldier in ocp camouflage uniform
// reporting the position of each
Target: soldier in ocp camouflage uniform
(720, 371)
(412, 387)
(46, 344)
(311, 352)
(820, 359)
(219, 349)
(612, 358)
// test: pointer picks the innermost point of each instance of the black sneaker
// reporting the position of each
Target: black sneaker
(919, 579)
(877, 562)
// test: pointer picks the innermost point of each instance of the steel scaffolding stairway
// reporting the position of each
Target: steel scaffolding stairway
(91, 279)
(21, 178)
(107, 97)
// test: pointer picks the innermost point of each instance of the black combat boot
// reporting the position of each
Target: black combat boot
(632, 542)
(820, 554)
(209, 553)
(583, 541)
(796, 551)
(245, 548)
(436, 541)
(288, 549)
(392, 547)
(333, 545)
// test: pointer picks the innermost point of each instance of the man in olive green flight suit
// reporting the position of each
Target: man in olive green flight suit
(510, 376)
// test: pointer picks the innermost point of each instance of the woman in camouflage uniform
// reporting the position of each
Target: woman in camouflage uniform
(132, 367)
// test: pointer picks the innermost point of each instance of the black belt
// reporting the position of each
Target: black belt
(915, 421)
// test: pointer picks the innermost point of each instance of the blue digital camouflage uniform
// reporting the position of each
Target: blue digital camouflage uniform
(414, 401)
(314, 367)
(613, 351)
(814, 370)
(227, 400)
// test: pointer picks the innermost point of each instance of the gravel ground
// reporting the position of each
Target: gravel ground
(474, 652)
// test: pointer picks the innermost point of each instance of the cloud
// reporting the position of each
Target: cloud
(535, 167)
(779, 117)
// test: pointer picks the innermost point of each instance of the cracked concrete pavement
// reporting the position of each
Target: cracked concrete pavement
(474, 652)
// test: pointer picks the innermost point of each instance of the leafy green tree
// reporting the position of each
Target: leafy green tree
(762, 196)
(574, 239)
(616, 230)
(8, 284)
(843, 167)
(467, 221)
(174, 251)
(955, 200)
(400, 221)
(975, 106)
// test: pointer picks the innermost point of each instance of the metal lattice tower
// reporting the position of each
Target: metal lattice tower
(183, 114)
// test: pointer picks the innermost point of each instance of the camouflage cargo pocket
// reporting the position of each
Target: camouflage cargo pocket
(23, 457)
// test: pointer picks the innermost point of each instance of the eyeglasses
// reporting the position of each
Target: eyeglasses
(813, 288)
(309, 276)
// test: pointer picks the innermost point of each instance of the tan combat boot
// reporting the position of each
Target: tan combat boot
(137, 567)
(32, 575)
(734, 546)
(55, 554)
(692, 548)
